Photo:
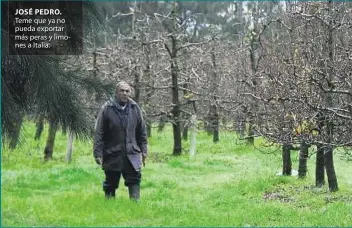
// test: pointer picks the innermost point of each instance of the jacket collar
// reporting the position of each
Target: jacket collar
(113, 102)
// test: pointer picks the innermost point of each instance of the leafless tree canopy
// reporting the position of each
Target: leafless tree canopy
(281, 68)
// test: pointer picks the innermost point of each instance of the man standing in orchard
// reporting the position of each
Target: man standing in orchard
(120, 143)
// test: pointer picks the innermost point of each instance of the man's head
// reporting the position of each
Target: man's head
(123, 91)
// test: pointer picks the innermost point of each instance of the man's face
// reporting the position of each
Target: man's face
(123, 93)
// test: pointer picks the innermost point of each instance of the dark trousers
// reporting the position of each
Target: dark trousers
(112, 177)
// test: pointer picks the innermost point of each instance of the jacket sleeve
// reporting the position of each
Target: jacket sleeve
(99, 134)
(141, 134)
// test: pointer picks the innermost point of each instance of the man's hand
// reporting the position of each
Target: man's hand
(144, 158)
(99, 160)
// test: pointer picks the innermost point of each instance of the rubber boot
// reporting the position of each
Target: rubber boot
(109, 194)
(134, 192)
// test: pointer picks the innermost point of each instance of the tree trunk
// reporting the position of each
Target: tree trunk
(215, 115)
(95, 70)
(239, 17)
(193, 143)
(149, 128)
(250, 137)
(40, 128)
(330, 170)
(319, 166)
(162, 121)
(303, 156)
(176, 110)
(49, 148)
(148, 91)
(208, 125)
(185, 133)
(240, 129)
(216, 129)
(254, 66)
(137, 86)
(286, 160)
(15, 132)
(176, 125)
(328, 154)
(69, 149)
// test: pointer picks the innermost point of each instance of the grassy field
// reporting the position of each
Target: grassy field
(226, 184)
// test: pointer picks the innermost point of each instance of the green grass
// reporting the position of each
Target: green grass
(226, 184)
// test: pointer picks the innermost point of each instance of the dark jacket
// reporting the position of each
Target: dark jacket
(115, 138)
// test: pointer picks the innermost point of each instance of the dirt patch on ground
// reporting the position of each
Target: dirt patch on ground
(292, 193)
(280, 195)
(343, 199)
